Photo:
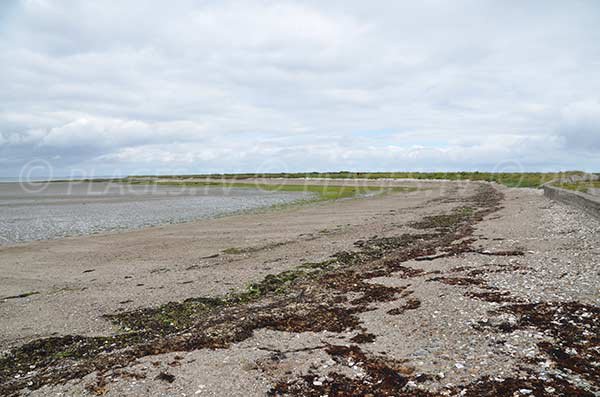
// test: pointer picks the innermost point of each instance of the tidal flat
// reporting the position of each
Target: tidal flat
(40, 211)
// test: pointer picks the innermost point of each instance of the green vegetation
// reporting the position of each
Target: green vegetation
(510, 179)
(323, 192)
(581, 186)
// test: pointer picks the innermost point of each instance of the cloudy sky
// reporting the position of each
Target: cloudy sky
(120, 87)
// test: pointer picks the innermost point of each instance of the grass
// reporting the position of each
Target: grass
(581, 186)
(510, 179)
(322, 192)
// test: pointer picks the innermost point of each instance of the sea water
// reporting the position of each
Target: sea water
(41, 211)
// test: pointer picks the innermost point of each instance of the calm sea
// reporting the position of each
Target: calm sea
(39, 211)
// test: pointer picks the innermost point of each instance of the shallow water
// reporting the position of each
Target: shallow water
(56, 210)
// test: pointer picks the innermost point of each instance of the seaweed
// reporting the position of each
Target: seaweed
(23, 295)
(312, 297)
(411, 304)
(363, 337)
(462, 281)
(382, 377)
(494, 296)
(166, 377)
(574, 328)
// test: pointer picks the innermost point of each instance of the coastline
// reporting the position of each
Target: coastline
(312, 192)
(56, 269)
(64, 210)
(432, 306)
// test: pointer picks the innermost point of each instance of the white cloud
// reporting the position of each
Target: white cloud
(223, 86)
(115, 133)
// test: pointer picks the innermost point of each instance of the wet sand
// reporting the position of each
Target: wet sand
(43, 211)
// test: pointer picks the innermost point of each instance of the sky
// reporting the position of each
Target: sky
(117, 87)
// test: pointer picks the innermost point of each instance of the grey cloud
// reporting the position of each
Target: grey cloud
(223, 86)
(580, 126)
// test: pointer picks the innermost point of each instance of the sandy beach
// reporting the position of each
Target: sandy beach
(453, 289)
(299, 198)
(76, 276)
